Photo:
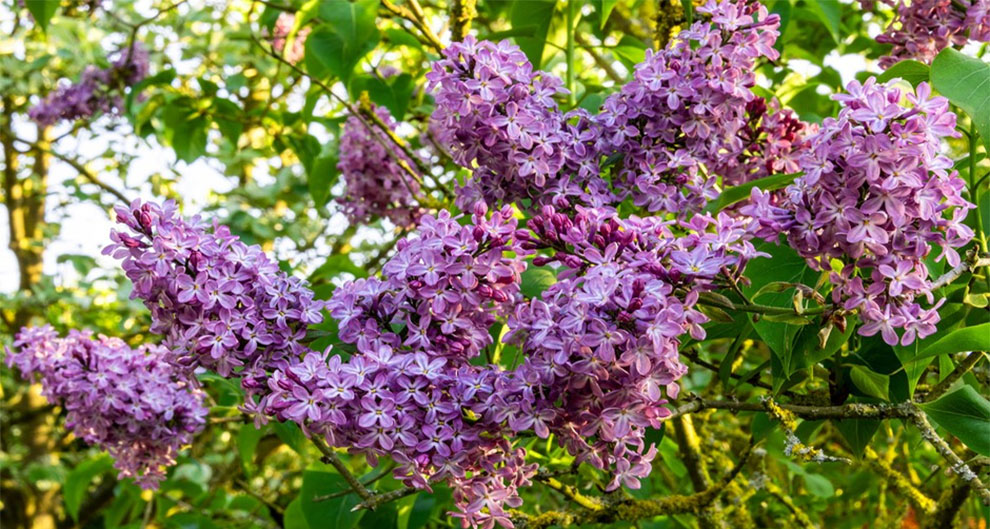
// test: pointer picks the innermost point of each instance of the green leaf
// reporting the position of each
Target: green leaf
(348, 34)
(858, 432)
(78, 480)
(334, 512)
(630, 50)
(605, 7)
(784, 265)
(818, 485)
(870, 383)
(735, 194)
(186, 129)
(294, 517)
(393, 93)
(42, 11)
(966, 415)
(535, 15)
(962, 340)
(911, 71)
(808, 349)
(536, 279)
(291, 435)
(830, 13)
(247, 441)
(321, 178)
(965, 81)
(688, 7)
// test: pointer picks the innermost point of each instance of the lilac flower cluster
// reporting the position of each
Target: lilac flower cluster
(875, 195)
(219, 303)
(283, 27)
(409, 391)
(376, 185)
(494, 111)
(131, 402)
(677, 124)
(601, 345)
(773, 139)
(922, 28)
(97, 91)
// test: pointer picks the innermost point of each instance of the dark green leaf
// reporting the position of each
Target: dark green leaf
(858, 432)
(965, 81)
(975, 338)
(247, 441)
(536, 15)
(966, 415)
(870, 383)
(291, 435)
(808, 349)
(911, 71)
(830, 14)
(78, 480)
(605, 7)
(393, 93)
(334, 512)
(321, 178)
(536, 279)
(348, 34)
(42, 11)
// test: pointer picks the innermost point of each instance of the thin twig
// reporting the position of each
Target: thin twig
(329, 456)
(939, 389)
(957, 465)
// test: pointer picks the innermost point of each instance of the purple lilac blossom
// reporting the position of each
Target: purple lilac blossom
(376, 185)
(678, 123)
(97, 90)
(410, 391)
(923, 28)
(496, 115)
(219, 303)
(875, 196)
(601, 344)
(133, 403)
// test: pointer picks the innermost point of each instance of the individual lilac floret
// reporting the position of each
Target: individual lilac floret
(875, 196)
(498, 116)
(219, 303)
(98, 90)
(132, 403)
(601, 344)
(923, 28)
(376, 185)
(283, 27)
(677, 125)
(409, 391)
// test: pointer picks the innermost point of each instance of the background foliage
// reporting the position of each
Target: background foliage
(219, 102)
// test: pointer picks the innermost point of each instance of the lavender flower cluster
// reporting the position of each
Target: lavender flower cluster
(677, 124)
(922, 28)
(874, 196)
(97, 91)
(376, 185)
(409, 391)
(601, 345)
(219, 303)
(131, 402)
(494, 111)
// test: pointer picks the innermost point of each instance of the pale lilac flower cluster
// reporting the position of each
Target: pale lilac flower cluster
(922, 28)
(131, 402)
(283, 27)
(98, 90)
(219, 303)
(875, 195)
(494, 111)
(677, 124)
(601, 345)
(376, 185)
(410, 391)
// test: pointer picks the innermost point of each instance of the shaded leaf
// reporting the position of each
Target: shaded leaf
(78, 480)
(966, 415)
(965, 81)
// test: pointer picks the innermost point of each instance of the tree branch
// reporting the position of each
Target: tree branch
(958, 466)
(329, 456)
(939, 389)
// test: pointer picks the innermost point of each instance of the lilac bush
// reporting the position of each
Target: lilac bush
(376, 185)
(218, 303)
(98, 90)
(875, 195)
(133, 403)
(922, 28)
